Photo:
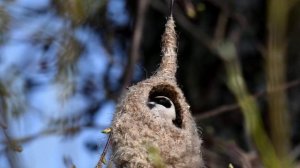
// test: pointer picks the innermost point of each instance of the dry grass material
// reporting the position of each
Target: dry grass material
(135, 129)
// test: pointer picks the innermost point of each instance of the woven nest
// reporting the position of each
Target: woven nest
(135, 128)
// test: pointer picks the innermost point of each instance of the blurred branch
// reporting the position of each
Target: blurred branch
(195, 31)
(225, 9)
(276, 71)
(68, 56)
(235, 153)
(221, 28)
(185, 24)
(2, 123)
(13, 145)
(228, 108)
(292, 3)
(253, 121)
(221, 152)
(3, 105)
(68, 162)
(4, 22)
(47, 132)
(137, 36)
(109, 93)
(78, 11)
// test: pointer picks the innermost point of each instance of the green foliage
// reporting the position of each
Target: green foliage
(155, 157)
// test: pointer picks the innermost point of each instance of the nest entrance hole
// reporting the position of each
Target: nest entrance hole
(170, 92)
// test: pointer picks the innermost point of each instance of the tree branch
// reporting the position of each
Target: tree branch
(227, 108)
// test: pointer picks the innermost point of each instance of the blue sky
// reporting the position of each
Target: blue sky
(20, 60)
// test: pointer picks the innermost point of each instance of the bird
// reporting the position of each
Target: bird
(163, 107)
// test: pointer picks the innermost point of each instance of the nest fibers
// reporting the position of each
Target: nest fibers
(135, 129)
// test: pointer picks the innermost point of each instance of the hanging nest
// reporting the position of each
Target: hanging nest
(135, 130)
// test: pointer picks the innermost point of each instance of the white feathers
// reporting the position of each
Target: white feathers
(163, 107)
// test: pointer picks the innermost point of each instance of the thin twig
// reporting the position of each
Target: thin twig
(234, 152)
(227, 108)
(102, 157)
(48, 132)
(220, 28)
(224, 7)
(186, 25)
(194, 30)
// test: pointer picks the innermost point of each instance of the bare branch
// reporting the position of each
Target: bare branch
(134, 53)
(227, 108)
(48, 132)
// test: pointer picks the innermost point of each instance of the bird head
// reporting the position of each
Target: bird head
(162, 107)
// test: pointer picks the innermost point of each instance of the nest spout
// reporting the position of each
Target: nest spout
(168, 64)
